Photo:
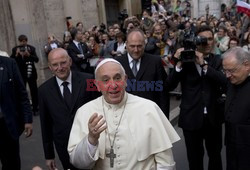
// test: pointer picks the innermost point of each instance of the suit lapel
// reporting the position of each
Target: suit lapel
(55, 91)
(2, 69)
(127, 68)
(143, 66)
(76, 48)
(76, 86)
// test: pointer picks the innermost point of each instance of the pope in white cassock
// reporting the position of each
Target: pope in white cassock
(119, 130)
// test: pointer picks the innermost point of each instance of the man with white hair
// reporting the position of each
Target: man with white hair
(236, 65)
(119, 130)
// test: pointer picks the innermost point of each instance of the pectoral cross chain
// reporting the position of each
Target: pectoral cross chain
(111, 155)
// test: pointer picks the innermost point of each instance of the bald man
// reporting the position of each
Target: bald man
(59, 99)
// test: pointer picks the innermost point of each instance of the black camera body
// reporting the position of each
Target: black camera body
(102, 28)
(189, 43)
(123, 15)
(23, 48)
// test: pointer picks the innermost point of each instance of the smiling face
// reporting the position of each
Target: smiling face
(59, 63)
(111, 81)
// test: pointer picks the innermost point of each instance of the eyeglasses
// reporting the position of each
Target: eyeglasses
(231, 71)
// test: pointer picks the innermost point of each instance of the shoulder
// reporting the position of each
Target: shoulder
(122, 58)
(84, 44)
(141, 102)
(31, 47)
(143, 109)
(6, 60)
(14, 48)
(90, 107)
(71, 45)
(10, 63)
(49, 83)
(152, 58)
(82, 75)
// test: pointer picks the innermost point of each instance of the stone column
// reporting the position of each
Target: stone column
(39, 34)
(195, 9)
(55, 18)
(89, 13)
(7, 32)
(214, 7)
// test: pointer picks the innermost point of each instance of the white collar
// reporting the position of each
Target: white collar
(76, 43)
(69, 80)
(116, 106)
(130, 59)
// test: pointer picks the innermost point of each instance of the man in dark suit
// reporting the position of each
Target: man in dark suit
(59, 99)
(200, 117)
(25, 56)
(146, 75)
(15, 113)
(236, 64)
(79, 52)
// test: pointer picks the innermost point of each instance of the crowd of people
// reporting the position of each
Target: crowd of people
(133, 65)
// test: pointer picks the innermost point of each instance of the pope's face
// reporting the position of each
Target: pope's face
(111, 81)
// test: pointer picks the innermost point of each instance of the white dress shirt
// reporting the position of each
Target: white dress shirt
(69, 80)
(130, 61)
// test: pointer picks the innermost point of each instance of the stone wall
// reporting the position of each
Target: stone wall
(55, 18)
(89, 13)
(7, 31)
(198, 7)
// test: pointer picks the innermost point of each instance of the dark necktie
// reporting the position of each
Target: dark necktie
(134, 67)
(66, 94)
(80, 48)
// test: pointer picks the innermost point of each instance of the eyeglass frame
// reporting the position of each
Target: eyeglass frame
(233, 70)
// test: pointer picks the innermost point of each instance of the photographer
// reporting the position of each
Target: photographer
(52, 44)
(201, 117)
(155, 44)
(25, 56)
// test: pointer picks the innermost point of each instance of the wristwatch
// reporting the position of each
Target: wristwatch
(204, 64)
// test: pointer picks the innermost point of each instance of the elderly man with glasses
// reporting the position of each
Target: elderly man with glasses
(237, 111)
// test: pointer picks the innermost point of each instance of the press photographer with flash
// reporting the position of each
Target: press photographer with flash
(25, 56)
(200, 73)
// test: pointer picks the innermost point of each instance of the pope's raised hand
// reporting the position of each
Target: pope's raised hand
(96, 125)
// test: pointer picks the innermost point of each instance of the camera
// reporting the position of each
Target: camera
(102, 28)
(29, 69)
(122, 15)
(189, 43)
(23, 48)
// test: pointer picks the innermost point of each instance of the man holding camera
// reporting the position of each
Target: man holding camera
(201, 117)
(25, 56)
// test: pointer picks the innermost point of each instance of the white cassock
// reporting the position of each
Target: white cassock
(143, 142)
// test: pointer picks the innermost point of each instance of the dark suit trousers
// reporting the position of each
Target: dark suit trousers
(213, 143)
(63, 154)
(9, 149)
(33, 92)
